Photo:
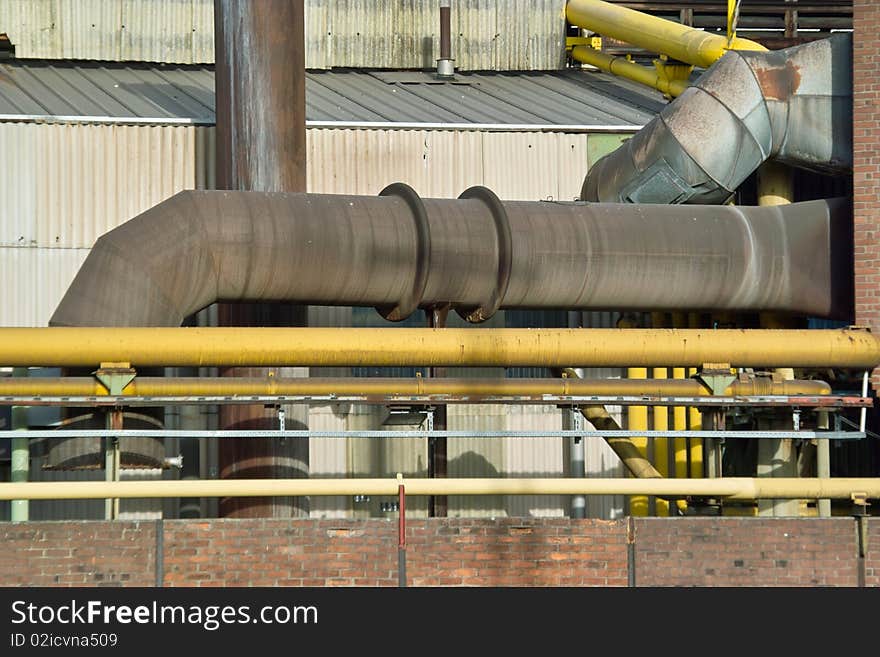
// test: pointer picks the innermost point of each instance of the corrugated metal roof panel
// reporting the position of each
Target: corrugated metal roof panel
(102, 92)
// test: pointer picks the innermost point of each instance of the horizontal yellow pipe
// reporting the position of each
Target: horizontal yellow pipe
(734, 488)
(624, 68)
(401, 347)
(231, 386)
(656, 35)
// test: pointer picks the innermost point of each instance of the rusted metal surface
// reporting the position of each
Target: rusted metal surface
(793, 106)
(260, 95)
(200, 247)
(261, 146)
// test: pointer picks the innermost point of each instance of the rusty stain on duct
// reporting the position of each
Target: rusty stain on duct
(778, 82)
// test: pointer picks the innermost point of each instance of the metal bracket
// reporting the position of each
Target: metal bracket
(673, 71)
(716, 377)
(591, 41)
(860, 500)
(115, 376)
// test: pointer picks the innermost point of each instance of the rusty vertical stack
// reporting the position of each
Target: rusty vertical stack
(261, 146)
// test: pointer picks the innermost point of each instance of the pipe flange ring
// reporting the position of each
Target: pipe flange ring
(505, 254)
(408, 305)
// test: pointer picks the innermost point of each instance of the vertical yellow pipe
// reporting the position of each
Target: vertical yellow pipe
(679, 423)
(661, 422)
(661, 445)
(637, 420)
(777, 457)
(695, 418)
(679, 418)
(679, 445)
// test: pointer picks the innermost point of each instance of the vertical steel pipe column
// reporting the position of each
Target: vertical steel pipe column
(261, 146)
(445, 67)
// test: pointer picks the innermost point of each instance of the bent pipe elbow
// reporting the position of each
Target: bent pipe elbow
(792, 105)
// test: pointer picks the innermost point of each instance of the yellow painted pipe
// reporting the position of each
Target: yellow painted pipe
(624, 68)
(379, 387)
(637, 420)
(656, 35)
(400, 347)
(695, 451)
(679, 423)
(775, 184)
(661, 445)
(736, 488)
(633, 459)
(679, 445)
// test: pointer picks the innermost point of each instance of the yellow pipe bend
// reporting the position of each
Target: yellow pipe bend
(624, 68)
(657, 35)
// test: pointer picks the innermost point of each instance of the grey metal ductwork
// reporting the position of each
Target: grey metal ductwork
(792, 105)
(398, 252)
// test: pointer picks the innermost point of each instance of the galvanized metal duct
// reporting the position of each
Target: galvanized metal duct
(398, 252)
(793, 106)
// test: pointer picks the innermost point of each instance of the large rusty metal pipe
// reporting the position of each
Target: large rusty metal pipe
(261, 146)
(793, 106)
(399, 252)
(260, 95)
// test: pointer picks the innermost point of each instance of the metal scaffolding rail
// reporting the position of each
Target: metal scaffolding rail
(431, 433)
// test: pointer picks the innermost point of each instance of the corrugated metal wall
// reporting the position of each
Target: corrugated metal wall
(443, 163)
(486, 34)
(72, 183)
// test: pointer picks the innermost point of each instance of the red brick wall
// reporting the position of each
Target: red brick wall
(746, 552)
(78, 554)
(517, 552)
(441, 552)
(866, 173)
(269, 552)
(872, 558)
